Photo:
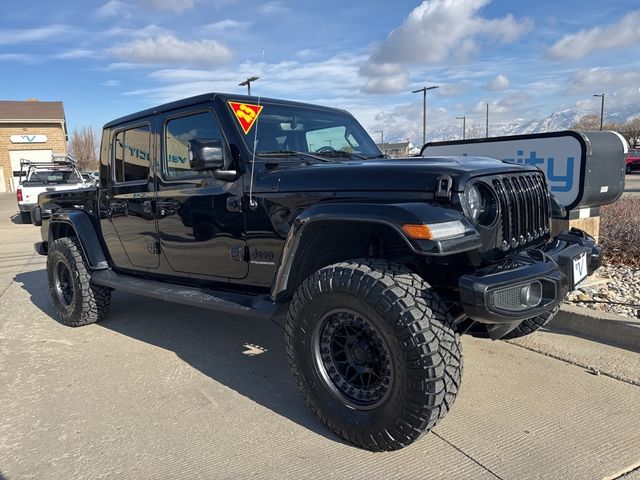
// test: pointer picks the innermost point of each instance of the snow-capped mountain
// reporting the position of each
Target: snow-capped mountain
(557, 121)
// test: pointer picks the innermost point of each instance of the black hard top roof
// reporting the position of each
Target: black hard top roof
(206, 97)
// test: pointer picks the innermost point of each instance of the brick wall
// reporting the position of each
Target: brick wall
(55, 141)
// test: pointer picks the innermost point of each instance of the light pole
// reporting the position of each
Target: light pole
(601, 95)
(247, 82)
(487, 121)
(381, 132)
(464, 125)
(424, 110)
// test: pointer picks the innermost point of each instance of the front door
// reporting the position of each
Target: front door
(130, 198)
(199, 234)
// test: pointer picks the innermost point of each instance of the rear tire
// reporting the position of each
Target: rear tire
(76, 300)
(374, 352)
(530, 325)
(25, 217)
(627, 169)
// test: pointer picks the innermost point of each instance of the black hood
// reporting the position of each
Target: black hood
(397, 174)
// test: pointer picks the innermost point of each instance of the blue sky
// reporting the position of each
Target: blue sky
(105, 59)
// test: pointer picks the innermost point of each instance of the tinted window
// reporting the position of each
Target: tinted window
(131, 151)
(178, 133)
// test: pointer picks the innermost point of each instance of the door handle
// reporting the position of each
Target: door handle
(168, 204)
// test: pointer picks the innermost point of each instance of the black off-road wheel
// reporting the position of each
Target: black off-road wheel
(373, 352)
(76, 300)
(25, 217)
(530, 325)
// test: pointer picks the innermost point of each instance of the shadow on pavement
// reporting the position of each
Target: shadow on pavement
(244, 354)
(16, 219)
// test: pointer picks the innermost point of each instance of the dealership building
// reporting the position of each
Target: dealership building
(30, 130)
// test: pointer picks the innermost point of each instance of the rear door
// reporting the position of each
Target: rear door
(199, 234)
(130, 195)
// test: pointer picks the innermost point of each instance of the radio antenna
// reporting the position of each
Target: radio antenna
(253, 205)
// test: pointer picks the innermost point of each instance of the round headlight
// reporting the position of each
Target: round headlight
(482, 205)
(474, 202)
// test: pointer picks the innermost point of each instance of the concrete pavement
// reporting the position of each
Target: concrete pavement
(159, 390)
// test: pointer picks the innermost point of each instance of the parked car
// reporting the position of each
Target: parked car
(633, 160)
(375, 266)
(37, 177)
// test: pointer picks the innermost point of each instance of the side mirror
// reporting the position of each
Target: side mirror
(206, 154)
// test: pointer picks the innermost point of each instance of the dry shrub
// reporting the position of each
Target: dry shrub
(620, 231)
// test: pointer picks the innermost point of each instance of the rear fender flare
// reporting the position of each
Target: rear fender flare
(86, 233)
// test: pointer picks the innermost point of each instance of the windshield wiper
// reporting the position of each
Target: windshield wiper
(381, 155)
(291, 153)
(341, 154)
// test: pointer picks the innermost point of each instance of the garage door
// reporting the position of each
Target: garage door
(34, 155)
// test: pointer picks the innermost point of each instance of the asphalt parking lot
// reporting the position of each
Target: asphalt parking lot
(632, 184)
(165, 391)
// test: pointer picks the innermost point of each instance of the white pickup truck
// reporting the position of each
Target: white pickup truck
(37, 177)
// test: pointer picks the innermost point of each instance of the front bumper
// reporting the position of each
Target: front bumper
(550, 269)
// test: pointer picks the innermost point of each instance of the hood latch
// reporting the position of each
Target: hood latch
(444, 183)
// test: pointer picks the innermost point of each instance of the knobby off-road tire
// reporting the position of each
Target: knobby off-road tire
(373, 352)
(76, 300)
(530, 325)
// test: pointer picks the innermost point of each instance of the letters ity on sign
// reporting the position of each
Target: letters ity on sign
(28, 138)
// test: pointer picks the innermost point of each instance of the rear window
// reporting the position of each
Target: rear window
(53, 177)
(634, 153)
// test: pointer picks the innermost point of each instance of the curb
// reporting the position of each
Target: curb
(599, 326)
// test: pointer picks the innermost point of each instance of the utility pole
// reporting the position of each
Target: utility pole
(247, 82)
(487, 121)
(464, 125)
(601, 95)
(381, 132)
(424, 110)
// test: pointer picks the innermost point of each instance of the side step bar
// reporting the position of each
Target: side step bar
(257, 306)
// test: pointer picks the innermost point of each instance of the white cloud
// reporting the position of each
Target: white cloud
(113, 8)
(111, 83)
(169, 50)
(18, 57)
(173, 6)
(273, 7)
(386, 84)
(622, 34)
(49, 32)
(604, 78)
(74, 54)
(501, 82)
(437, 30)
(226, 26)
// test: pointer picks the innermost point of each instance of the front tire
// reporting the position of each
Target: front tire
(76, 300)
(627, 169)
(373, 352)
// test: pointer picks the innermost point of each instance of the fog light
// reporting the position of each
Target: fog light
(518, 298)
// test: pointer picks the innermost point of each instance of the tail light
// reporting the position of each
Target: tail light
(19, 194)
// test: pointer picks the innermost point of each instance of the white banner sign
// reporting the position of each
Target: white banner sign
(560, 159)
(28, 139)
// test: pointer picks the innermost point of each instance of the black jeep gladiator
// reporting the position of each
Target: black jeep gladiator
(290, 212)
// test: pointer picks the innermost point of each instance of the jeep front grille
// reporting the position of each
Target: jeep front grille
(524, 208)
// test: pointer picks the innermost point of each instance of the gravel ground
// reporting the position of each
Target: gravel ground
(611, 286)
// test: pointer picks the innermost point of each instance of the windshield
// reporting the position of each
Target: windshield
(309, 130)
(53, 177)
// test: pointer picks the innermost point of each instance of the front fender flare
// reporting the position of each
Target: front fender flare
(390, 215)
(86, 233)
